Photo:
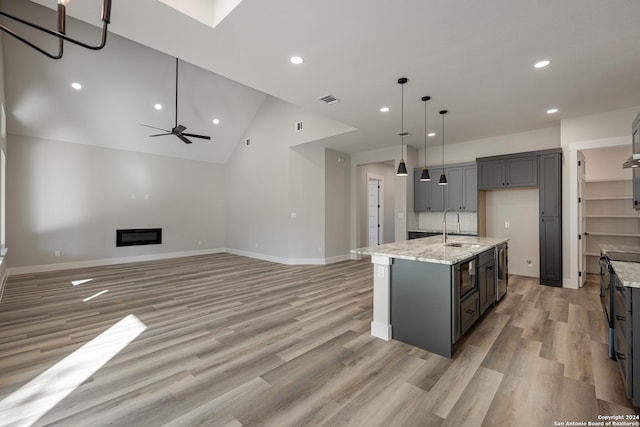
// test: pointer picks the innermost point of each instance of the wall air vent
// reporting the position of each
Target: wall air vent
(329, 99)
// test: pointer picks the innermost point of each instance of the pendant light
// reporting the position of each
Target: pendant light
(443, 178)
(425, 172)
(402, 167)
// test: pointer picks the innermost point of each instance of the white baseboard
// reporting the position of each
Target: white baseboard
(154, 257)
(290, 261)
(107, 261)
(380, 330)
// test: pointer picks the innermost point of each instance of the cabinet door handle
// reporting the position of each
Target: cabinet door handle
(470, 311)
(542, 219)
(542, 213)
(620, 356)
(503, 184)
(620, 318)
(620, 288)
(490, 267)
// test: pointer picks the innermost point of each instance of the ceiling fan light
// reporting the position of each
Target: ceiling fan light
(402, 169)
(425, 175)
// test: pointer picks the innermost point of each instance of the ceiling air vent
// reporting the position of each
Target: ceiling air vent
(329, 99)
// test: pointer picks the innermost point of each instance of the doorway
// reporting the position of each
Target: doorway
(375, 210)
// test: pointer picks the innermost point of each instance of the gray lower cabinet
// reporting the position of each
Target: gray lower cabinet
(487, 279)
(626, 342)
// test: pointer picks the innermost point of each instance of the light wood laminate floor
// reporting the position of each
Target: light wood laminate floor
(223, 340)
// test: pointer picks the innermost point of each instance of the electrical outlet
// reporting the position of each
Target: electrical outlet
(57, 253)
(529, 263)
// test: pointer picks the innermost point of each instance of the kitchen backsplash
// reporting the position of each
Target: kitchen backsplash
(433, 221)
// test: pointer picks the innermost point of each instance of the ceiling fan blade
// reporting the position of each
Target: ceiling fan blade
(160, 134)
(183, 138)
(196, 136)
(178, 129)
(153, 127)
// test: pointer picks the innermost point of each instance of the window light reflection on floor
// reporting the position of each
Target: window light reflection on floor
(95, 295)
(80, 282)
(30, 402)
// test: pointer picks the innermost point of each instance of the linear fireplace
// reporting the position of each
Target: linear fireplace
(139, 236)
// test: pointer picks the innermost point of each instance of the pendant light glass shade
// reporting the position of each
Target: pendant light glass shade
(443, 177)
(425, 172)
(402, 167)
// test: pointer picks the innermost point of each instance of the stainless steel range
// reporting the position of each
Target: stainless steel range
(607, 288)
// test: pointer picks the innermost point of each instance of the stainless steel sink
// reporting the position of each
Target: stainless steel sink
(463, 245)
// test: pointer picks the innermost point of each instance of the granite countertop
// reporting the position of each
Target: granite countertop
(431, 249)
(627, 272)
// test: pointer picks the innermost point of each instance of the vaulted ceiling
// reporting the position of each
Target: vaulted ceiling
(473, 58)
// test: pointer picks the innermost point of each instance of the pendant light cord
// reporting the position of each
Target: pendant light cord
(425, 133)
(402, 121)
(442, 141)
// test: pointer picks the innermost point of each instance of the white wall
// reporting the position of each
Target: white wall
(606, 163)
(468, 151)
(279, 174)
(519, 208)
(71, 198)
(337, 204)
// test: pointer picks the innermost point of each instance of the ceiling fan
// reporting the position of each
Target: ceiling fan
(177, 130)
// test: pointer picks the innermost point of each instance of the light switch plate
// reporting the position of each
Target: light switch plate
(507, 224)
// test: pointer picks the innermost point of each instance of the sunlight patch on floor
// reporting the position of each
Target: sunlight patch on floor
(80, 282)
(95, 295)
(28, 404)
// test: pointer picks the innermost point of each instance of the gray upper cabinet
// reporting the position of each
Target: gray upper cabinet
(461, 193)
(437, 193)
(491, 174)
(421, 192)
(550, 189)
(471, 188)
(510, 172)
(522, 171)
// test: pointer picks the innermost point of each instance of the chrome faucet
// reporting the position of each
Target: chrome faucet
(444, 227)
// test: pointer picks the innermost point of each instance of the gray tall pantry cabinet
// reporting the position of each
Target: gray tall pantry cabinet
(542, 169)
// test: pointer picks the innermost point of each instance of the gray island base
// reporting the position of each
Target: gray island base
(428, 294)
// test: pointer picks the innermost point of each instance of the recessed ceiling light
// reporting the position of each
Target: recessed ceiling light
(552, 111)
(297, 60)
(158, 106)
(542, 64)
(431, 134)
(76, 85)
(216, 121)
(384, 109)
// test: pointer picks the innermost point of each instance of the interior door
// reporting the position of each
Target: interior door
(373, 212)
(582, 243)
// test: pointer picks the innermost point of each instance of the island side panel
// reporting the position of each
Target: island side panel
(421, 295)
(381, 324)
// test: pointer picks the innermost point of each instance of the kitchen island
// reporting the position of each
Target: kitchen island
(428, 294)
